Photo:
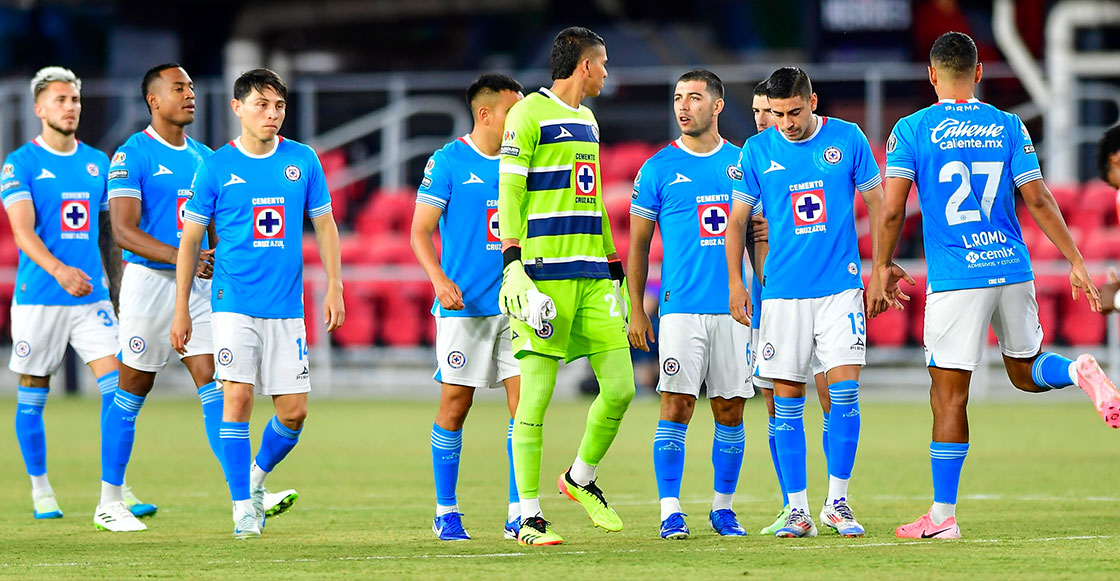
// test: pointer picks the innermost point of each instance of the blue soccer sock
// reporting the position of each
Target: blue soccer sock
(513, 497)
(843, 423)
(447, 446)
(774, 458)
(824, 436)
(107, 385)
(668, 464)
(789, 437)
(946, 460)
(236, 453)
(29, 428)
(118, 432)
(276, 442)
(212, 406)
(727, 460)
(1052, 371)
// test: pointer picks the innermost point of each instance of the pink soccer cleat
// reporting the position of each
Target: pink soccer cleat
(1092, 380)
(923, 528)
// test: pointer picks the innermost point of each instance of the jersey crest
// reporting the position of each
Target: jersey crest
(713, 220)
(268, 222)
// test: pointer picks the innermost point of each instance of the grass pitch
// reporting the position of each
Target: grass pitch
(1038, 500)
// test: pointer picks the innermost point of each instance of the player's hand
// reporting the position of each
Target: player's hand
(73, 280)
(181, 328)
(448, 294)
(1079, 282)
(759, 229)
(889, 291)
(740, 304)
(1108, 292)
(205, 264)
(640, 328)
(334, 311)
(513, 296)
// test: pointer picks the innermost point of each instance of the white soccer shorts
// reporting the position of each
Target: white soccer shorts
(793, 330)
(474, 351)
(271, 354)
(40, 334)
(956, 326)
(697, 349)
(815, 365)
(147, 307)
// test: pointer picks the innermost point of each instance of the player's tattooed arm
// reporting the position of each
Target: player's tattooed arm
(739, 302)
(110, 258)
(1044, 209)
(73, 280)
(425, 220)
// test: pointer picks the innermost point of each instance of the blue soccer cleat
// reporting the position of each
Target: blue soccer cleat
(47, 507)
(513, 527)
(449, 527)
(723, 521)
(674, 527)
(138, 508)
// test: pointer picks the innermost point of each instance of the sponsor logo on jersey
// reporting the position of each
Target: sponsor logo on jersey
(233, 179)
(292, 173)
(118, 174)
(672, 366)
(680, 179)
(545, 331)
(23, 349)
(44, 175)
(225, 357)
(774, 166)
(953, 134)
(564, 133)
(9, 171)
(426, 182)
(456, 359)
(163, 171)
(492, 231)
(473, 180)
(833, 155)
(509, 135)
(92, 169)
(892, 143)
(586, 184)
(768, 351)
(9, 185)
(510, 150)
(1028, 149)
(268, 223)
(713, 222)
(136, 344)
(428, 167)
(75, 216)
(859, 345)
(809, 213)
(118, 158)
(734, 173)
(305, 374)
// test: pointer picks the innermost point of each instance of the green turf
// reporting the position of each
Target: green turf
(1038, 500)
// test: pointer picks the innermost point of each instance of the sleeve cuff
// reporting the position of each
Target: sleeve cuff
(196, 218)
(16, 197)
(431, 201)
(871, 183)
(1027, 177)
(320, 211)
(641, 212)
(125, 193)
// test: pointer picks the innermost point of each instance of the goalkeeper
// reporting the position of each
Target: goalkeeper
(556, 239)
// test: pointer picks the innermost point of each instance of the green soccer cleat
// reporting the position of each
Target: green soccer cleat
(593, 502)
(778, 522)
(277, 503)
(537, 531)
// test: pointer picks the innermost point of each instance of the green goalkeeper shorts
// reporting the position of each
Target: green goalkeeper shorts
(589, 319)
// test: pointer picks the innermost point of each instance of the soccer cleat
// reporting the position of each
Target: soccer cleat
(537, 531)
(923, 528)
(778, 523)
(674, 527)
(135, 506)
(798, 525)
(449, 527)
(723, 521)
(246, 525)
(257, 496)
(115, 517)
(1091, 379)
(277, 503)
(593, 502)
(838, 517)
(47, 507)
(513, 527)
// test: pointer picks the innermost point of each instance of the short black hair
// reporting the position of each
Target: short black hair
(258, 79)
(954, 52)
(788, 82)
(713, 83)
(760, 89)
(150, 77)
(568, 49)
(491, 84)
(1108, 145)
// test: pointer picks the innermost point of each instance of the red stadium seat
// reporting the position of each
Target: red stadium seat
(887, 330)
(387, 211)
(621, 162)
(403, 325)
(1102, 244)
(1079, 325)
(916, 307)
(361, 317)
(1104, 197)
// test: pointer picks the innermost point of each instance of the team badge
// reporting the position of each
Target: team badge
(672, 366)
(853, 269)
(734, 173)
(713, 220)
(509, 135)
(833, 155)
(768, 352)
(492, 232)
(428, 167)
(181, 206)
(136, 345)
(892, 143)
(75, 216)
(9, 171)
(546, 331)
(808, 208)
(23, 349)
(92, 169)
(118, 158)
(292, 173)
(456, 359)
(585, 179)
(225, 357)
(268, 222)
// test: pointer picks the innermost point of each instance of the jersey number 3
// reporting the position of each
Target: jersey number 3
(993, 170)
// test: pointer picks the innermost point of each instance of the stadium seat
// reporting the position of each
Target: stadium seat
(388, 210)
(1102, 244)
(1104, 197)
(1079, 325)
(1093, 208)
(621, 162)
(361, 318)
(403, 325)
(887, 330)
(916, 307)
(334, 166)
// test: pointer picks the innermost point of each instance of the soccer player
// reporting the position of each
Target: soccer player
(967, 158)
(54, 192)
(763, 120)
(249, 188)
(459, 195)
(556, 238)
(685, 190)
(805, 173)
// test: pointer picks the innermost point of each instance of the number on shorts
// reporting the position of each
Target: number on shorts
(856, 319)
(613, 300)
(105, 317)
(953, 213)
(301, 348)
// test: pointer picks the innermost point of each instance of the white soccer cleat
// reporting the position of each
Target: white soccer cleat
(838, 517)
(116, 518)
(46, 506)
(277, 503)
(245, 525)
(257, 496)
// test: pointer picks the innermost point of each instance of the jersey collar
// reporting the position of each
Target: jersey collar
(42, 143)
(151, 132)
(467, 139)
(820, 123)
(958, 101)
(237, 144)
(558, 100)
(679, 144)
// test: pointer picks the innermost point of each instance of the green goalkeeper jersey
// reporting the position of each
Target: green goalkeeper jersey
(549, 193)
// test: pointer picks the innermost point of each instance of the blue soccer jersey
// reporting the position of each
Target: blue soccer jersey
(258, 266)
(68, 191)
(688, 194)
(967, 158)
(808, 188)
(158, 174)
(463, 182)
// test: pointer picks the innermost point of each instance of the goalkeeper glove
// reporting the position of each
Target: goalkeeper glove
(513, 296)
(618, 279)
